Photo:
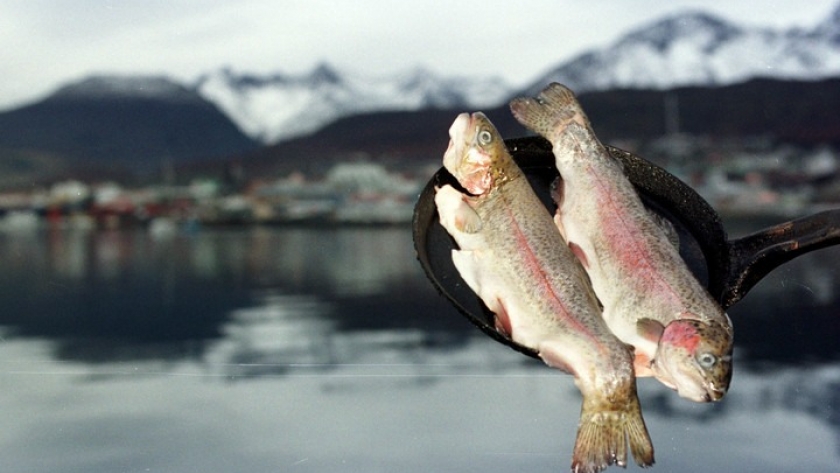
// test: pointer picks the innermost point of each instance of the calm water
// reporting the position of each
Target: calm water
(300, 350)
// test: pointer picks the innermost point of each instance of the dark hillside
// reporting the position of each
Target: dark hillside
(136, 134)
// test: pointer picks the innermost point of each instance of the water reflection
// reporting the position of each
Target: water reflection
(349, 261)
(283, 332)
(793, 315)
(125, 288)
(449, 410)
(272, 349)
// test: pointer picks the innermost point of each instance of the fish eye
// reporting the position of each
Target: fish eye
(484, 137)
(706, 360)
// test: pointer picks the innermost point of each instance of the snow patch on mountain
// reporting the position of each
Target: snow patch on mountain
(693, 48)
(696, 48)
(271, 108)
(125, 86)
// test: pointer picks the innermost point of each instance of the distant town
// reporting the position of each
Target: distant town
(744, 180)
(749, 177)
(353, 194)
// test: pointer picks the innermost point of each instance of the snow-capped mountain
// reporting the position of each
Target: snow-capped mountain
(697, 48)
(128, 86)
(692, 48)
(271, 108)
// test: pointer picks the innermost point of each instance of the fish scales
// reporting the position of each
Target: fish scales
(542, 267)
(615, 209)
(651, 299)
(515, 259)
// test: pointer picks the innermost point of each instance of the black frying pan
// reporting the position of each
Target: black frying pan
(728, 268)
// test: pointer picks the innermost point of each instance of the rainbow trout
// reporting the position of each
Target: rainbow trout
(651, 299)
(512, 256)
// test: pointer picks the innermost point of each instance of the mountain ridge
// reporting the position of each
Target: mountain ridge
(696, 48)
(691, 48)
(273, 107)
(142, 123)
(800, 113)
(130, 125)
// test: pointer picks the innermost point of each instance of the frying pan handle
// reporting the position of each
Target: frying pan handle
(754, 256)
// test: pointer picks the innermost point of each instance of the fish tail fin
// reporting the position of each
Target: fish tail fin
(640, 444)
(550, 112)
(605, 430)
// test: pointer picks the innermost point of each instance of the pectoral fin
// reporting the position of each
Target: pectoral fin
(641, 365)
(650, 329)
(502, 320)
(555, 357)
(467, 220)
(486, 284)
(578, 252)
(454, 212)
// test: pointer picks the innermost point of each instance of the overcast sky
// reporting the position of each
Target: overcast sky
(45, 43)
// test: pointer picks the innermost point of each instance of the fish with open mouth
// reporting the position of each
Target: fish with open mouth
(651, 299)
(513, 257)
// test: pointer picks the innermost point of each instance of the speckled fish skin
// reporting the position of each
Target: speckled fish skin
(651, 299)
(513, 257)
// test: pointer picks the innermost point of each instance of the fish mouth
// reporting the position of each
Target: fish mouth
(714, 393)
(689, 385)
(709, 393)
(464, 159)
(457, 142)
